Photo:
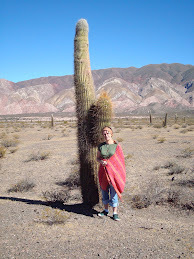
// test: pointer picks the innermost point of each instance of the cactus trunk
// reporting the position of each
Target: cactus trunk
(85, 98)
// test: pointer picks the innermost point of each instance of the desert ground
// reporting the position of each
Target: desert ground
(41, 210)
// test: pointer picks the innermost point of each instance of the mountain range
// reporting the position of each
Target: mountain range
(156, 88)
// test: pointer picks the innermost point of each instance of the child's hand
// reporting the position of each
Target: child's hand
(103, 163)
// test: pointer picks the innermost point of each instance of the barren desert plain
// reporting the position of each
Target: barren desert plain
(41, 210)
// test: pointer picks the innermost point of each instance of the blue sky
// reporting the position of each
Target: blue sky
(37, 35)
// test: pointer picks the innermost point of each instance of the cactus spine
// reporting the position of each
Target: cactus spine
(100, 116)
(85, 98)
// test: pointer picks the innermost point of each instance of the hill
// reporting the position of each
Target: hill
(155, 87)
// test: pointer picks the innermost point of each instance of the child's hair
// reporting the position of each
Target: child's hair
(108, 128)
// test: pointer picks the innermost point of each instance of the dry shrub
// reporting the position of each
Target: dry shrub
(63, 130)
(139, 127)
(187, 153)
(3, 135)
(56, 196)
(150, 195)
(140, 201)
(39, 156)
(132, 128)
(119, 139)
(180, 198)
(161, 140)
(157, 126)
(13, 150)
(53, 217)
(50, 136)
(186, 183)
(184, 131)
(75, 161)
(169, 164)
(66, 135)
(128, 156)
(176, 126)
(176, 169)
(173, 168)
(73, 180)
(6, 142)
(22, 186)
(118, 130)
(157, 193)
(191, 128)
(156, 168)
(184, 125)
(2, 152)
(16, 136)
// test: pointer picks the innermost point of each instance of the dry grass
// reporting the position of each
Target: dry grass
(169, 164)
(184, 131)
(161, 140)
(176, 169)
(6, 142)
(22, 186)
(72, 181)
(52, 217)
(187, 153)
(128, 156)
(39, 156)
(157, 126)
(156, 194)
(119, 139)
(56, 196)
(2, 152)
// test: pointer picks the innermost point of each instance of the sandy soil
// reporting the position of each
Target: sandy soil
(34, 228)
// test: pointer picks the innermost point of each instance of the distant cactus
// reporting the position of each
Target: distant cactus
(52, 121)
(150, 118)
(165, 121)
(175, 118)
(85, 98)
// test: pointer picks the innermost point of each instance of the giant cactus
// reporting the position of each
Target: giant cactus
(91, 115)
(85, 97)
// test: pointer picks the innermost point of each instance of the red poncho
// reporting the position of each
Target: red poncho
(114, 172)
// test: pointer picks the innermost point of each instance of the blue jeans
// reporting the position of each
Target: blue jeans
(110, 197)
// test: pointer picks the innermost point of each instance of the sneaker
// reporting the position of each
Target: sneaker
(116, 217)
(103, 213)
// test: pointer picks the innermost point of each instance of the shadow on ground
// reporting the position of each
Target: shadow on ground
(78, 208)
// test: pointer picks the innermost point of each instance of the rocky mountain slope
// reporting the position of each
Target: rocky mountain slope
(155, 88)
